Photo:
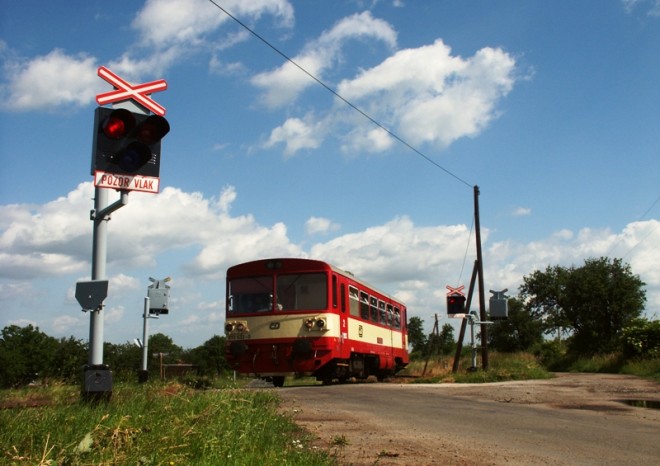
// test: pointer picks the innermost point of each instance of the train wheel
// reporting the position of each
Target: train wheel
(278, 381)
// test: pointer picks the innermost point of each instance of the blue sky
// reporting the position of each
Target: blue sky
(551, 108)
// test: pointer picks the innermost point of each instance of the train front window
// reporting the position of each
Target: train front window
(298, 292)
(250, 295)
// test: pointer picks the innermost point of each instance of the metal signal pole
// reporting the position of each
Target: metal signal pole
(97, 377)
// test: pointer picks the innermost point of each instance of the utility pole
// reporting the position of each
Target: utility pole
(480, 278)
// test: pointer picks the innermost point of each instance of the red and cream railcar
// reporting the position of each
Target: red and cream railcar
(306, 317)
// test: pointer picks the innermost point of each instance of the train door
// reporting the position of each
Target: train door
(339, 303)
(386, 330)
(390, 326)
(400, 323)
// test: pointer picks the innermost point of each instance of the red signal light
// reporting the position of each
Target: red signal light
(118, 124)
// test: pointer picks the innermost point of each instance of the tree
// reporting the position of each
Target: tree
(594, 302)
(68, 359)
(519, 332)
(25, 353)
(416, 336)
(160, 343)
(210, 357)
(124, 359)
(443, 343)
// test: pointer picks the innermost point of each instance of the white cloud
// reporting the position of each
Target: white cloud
(169, 30)
(162, 23)
(431, 96)
(413, 262)
(651, 7)
(521, 212)
(50, 80)
(296, 135)
(282, 85)
(46, 240)
(397, 251)
(425, 95)
(67, 324)
(320, 225)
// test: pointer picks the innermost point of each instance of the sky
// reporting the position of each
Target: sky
(363, 150)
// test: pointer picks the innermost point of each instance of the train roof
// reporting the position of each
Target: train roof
(277, 262)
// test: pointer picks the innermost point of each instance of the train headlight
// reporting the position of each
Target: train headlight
(309, 323)
(236, 327)
(320, 324)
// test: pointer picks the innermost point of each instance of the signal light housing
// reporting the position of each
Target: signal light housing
(455, 304)
(127, 143)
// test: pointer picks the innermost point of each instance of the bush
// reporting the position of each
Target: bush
(550, 354)
(642, 339)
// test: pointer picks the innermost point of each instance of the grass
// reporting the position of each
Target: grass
(615, 364)
(525, 366)
(173, 424)
(503, 366)
(152, 424)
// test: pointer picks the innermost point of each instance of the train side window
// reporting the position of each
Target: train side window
(374, 309)
(382, 313)
(397, 318)
(334, 291)
(342, 297)
(390, 315)
(353, 301)
(364, 305)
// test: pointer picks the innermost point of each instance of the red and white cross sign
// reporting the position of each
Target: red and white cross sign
(125, 91)
(455, 291)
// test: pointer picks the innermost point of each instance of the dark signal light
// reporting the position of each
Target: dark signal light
(153, 129)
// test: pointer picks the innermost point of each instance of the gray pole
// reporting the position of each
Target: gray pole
(97, 377)
(99, 258)
(145, 337)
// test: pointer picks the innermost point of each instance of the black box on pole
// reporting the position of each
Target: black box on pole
(97, 382)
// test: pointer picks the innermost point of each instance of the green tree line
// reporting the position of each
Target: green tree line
(593, 309)
(27, 354)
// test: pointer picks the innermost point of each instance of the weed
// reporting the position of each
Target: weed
(339, 441)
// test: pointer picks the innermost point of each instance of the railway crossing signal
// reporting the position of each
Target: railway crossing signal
(455, 304)
(127, 143)
(125, 157)
(499, 305)
(455, 300)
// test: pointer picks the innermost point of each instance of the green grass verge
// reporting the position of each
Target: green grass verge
(503, 367)
(152, 424)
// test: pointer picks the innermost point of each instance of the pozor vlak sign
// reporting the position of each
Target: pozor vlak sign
(126, 147)
(146, 184)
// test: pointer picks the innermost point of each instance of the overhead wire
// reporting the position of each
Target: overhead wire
(641, 240)
(340, 97)
(357, 109)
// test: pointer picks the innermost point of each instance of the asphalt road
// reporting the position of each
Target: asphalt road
(555, 422)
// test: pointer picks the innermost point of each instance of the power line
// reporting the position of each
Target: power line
(336, 94)
(641, 217)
